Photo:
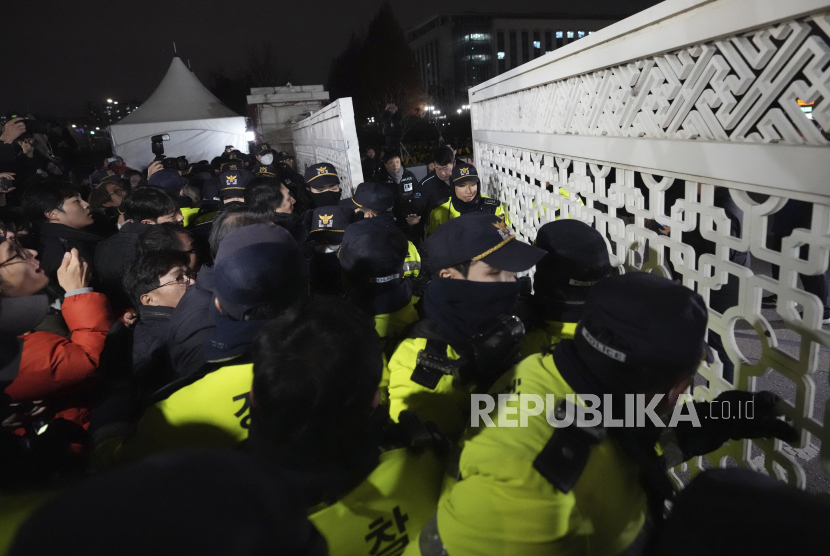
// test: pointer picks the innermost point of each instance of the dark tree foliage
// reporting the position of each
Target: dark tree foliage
(260, 68)
(378, 68)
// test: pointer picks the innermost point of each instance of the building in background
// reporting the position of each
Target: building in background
(456, 52)
(273, 110)
(107, 112)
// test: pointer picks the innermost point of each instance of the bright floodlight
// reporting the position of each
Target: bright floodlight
(115, 102)
(97, 128)
(92, 132)
(249, 135)
(459, 111)
(73, 125)
(109, 100)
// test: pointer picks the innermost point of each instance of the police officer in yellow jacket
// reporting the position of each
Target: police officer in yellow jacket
(372, 257)
(466, 197)
(577, 258)
(592, 488)
(369, 487)
(471, 333)
(259, 272)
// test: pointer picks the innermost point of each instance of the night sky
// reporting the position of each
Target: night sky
(57, 55)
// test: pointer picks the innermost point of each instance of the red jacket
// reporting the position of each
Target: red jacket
(58, 371)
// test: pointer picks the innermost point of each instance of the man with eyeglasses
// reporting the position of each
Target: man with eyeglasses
(156, 283)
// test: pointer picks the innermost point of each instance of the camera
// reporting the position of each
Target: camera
(158, 145)
(179, 163)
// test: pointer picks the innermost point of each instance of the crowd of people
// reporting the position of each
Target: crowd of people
(231, 357)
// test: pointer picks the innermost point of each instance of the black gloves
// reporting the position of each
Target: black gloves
(733, 415)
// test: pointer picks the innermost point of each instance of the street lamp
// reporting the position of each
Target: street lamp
(73, 125)
(109, 100)
(459, 111)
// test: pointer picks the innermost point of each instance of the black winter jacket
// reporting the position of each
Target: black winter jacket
(191, 326)
(57, 239)
(152, 368)
(113, 257)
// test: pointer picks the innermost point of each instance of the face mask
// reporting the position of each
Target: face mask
(267, 159)
(325, 198)
(463, 308)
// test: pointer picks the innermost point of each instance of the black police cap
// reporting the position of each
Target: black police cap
(574, 252)
(232, 165)
(266, 170)
(234, 182)
(373, 251)
(462, 172)
(641, 321)
(321, 175)
(378, 197)
(261, 148)
(478, 236)
(329, 223)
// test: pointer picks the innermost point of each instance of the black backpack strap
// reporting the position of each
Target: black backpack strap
(564, 457)
(432, 362)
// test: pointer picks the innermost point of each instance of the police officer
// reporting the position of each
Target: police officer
(323, 183)
(473, 296)
(433, 191)
(259, 273)
(546, 489)
(265, 155)
(466, 197)
(326, 227)
(372, 257)
(233, 180)
(294, 182)
(375, 201)
(369, 486)
(577, 258)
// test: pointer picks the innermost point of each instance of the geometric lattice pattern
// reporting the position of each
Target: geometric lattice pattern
(741, 88)
(329, 135)
(528, 185)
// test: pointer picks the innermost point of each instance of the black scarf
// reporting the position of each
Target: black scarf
(463, 308)
(325, 199)
(382, 300)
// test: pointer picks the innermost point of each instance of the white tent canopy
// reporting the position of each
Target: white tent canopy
(199, 125)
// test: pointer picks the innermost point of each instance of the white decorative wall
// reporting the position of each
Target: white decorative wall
(697, 94)
(330, 136)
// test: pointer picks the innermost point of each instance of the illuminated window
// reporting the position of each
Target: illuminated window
(591, 32)
(570, 34)
(537, 44)
(559, 34)
(580, 34)
(501, 55)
